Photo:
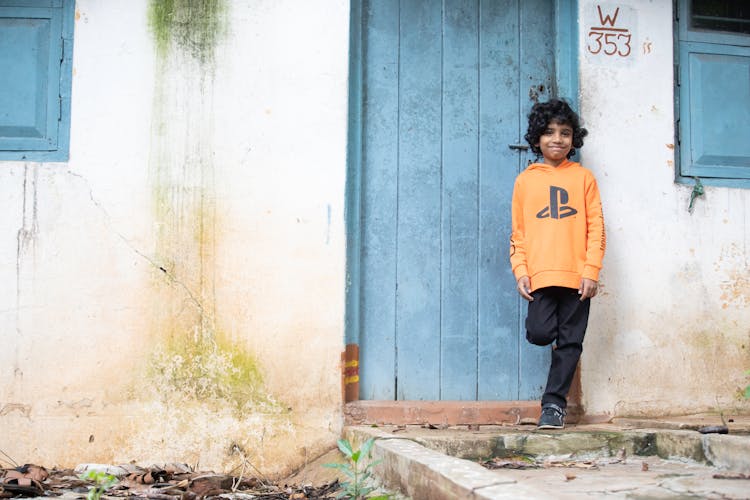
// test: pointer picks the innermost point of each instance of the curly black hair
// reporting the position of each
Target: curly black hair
(553, 111)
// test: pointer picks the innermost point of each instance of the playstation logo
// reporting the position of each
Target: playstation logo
(556, 208)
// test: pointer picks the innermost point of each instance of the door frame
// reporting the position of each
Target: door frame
(566, 79)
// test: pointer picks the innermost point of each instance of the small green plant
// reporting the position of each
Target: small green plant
(102, 482)
(360, 475)
(746, 392)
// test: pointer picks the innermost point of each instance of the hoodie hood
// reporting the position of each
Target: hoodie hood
(544, 167)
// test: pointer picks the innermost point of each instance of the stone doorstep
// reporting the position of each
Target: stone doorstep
(737, 424)
(446, 413)
(425, 463)
(422, 473)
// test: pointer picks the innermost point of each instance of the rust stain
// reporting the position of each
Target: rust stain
(736, 290)
(670, 146)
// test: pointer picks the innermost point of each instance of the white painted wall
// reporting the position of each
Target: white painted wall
(670, 333)
(230, 175)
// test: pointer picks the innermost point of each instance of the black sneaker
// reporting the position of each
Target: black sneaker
(552, 417)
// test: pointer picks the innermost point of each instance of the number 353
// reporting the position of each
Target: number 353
(609, 43)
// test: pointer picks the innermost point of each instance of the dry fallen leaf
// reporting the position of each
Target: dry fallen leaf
(29, 471)
(731, 475)
(644, 466)
(22, 486)
(511, 462)
(569, 476)
(583, 464)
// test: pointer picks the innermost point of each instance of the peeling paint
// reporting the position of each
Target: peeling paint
(26, 239)
(29, 229)
(736, 289)
(9, 408)
(77, 405)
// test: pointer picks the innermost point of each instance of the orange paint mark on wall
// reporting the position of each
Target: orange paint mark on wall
(350, 373)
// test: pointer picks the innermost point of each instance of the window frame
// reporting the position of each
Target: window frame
(688, 41)
(59, 150)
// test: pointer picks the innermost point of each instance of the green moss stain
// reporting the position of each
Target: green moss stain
(209, 368)
(160, 22)
(195, 26)
(192, 360)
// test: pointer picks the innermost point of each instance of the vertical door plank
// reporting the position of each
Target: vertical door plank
(419, 178)
(379, 200)
(500, 125)
(537, 60)
(459, 224)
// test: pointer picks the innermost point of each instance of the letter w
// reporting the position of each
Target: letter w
(607, 19)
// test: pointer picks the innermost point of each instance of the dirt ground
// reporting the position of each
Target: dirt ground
(169, 482)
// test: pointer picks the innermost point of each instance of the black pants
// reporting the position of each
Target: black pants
(558, 315)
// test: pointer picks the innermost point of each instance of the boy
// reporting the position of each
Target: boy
(556, 247)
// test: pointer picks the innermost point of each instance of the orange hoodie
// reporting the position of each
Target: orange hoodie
(558, 226)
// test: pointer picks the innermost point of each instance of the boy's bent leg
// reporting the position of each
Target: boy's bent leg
(573, 317)
(542, 319)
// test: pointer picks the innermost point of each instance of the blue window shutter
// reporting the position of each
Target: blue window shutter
(715, 110)
(35, 78)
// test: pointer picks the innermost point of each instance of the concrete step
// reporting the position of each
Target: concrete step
(440, 464)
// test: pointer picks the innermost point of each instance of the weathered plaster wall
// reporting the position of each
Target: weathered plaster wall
(175, 292)
(671, 330)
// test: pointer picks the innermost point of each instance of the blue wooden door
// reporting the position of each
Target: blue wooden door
(444, 88)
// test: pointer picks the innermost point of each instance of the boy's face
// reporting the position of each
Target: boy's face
(555, 143)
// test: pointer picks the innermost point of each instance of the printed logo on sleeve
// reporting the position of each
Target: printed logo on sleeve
(557, 208)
